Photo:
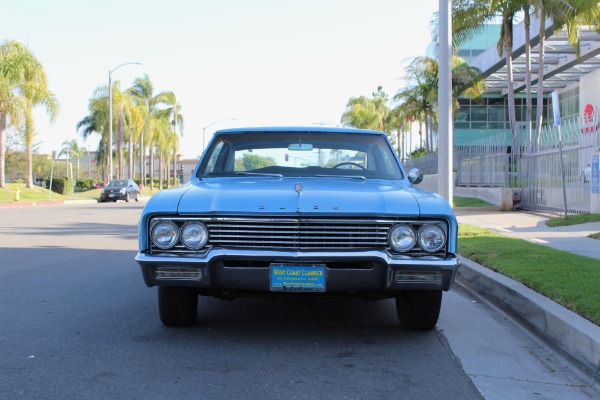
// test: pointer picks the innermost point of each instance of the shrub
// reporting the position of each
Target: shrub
(84, 184)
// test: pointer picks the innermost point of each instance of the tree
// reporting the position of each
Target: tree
(173, 113)
(143, 93)
(12, 58)
(570, 14)
(34, 91)
(368, 113)
(71, 149)
(97, 122)
(251, 162)
(421, 96)
(162, 137)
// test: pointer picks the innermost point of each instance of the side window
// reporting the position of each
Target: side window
(388, 162)
(211, 165)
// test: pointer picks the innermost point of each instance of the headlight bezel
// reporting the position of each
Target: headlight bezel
(421, 237)
(420, 228)
(409, 230)
(174, 240)
(200, 244)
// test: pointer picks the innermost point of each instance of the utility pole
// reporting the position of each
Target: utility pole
(445, 151)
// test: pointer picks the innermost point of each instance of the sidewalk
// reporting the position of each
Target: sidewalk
(573, 336)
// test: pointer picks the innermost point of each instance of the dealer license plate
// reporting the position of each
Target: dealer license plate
(298, 278)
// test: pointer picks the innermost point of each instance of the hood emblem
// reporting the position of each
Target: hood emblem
(298, 187)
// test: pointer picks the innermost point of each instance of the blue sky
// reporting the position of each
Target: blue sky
(262, 62)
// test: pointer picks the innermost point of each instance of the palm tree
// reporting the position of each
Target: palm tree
(143, 93)
(421, 96)
(97, 122)
(11, 106)
(401, 119)
(570, 14)
(173, 113)
(71, 149)
(135, 125)
(31, 85)
(162, 139)
(368, 113)
(121, 102)
(35, 92)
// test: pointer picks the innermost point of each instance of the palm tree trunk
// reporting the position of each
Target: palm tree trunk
(510, 89)
(2, 151)
(151, 167)
(142, 160)
(175, 167)
(168, 172)
(426, 133)
(160, 173)
(120, 173)
(130, 158)
(540, 86)
(29, 134)
(529, 105)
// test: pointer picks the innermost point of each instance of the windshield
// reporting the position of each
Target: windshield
(300, 154)
(117, 183)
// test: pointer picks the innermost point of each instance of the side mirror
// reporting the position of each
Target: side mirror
(415, 176)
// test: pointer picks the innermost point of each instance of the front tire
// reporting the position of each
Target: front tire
(127, 198)
(177, 306)
(419, 310)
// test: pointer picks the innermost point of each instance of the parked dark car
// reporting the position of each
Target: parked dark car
(98, 185)
(120, 189)
(304, 212)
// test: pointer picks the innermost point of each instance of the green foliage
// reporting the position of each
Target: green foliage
(569, 279)
(60, 185)
(418, 152)
(470, 202)
(252, 161)
(573, 220)
(84, 184)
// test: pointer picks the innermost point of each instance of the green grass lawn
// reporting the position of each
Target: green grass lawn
(470, 202)
(35, 194)
(569, 279)
(40, 194)
(573, 220)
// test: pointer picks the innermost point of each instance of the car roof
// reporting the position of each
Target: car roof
(315, 129)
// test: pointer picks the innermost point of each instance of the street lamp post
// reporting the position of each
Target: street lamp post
(110, 116)
(208, 126)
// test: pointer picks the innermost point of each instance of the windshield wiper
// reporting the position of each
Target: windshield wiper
(359, 177)
(259, 174)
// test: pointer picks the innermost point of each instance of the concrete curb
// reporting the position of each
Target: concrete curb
(45, 203)
(572, 335)
(32, 203)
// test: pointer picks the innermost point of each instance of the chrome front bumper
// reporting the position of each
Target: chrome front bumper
(249, 270)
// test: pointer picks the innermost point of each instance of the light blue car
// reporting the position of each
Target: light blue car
(299, 211)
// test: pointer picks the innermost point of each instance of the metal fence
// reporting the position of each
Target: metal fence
(536, 173)
(481, 163)
(541, 169)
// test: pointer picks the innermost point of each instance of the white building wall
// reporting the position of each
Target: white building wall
(589, 90)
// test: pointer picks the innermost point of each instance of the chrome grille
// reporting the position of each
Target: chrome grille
(303, 234)
(296, 233)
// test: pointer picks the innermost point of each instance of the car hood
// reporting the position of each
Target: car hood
(299, 196)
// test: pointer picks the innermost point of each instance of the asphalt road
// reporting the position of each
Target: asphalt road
(77, 322)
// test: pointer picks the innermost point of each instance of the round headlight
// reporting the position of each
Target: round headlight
(164, 234)
(402, 237)
(194, 235)
(431, 238)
